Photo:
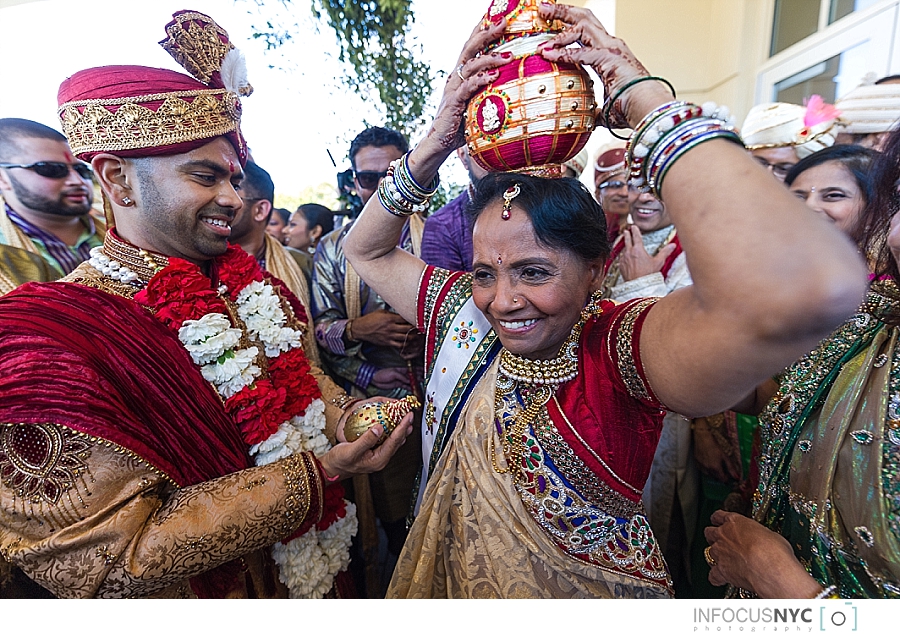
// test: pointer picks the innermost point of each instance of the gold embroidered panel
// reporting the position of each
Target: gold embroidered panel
(41, 462)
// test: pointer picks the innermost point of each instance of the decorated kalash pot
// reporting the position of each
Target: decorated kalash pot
(537, 114)
(388, 414)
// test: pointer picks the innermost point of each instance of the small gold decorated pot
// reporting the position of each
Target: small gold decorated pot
(388, 414)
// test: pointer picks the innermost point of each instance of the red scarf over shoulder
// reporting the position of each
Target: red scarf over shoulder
(102, 365)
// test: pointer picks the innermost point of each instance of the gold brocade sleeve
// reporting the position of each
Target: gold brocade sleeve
(100, 522)
(333, 397)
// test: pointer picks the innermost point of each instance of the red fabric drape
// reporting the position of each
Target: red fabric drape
(102, 365)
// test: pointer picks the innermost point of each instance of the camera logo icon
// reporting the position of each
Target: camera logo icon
(838, 617)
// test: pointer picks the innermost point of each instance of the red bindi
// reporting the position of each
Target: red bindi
(231, 166)
(68, 157)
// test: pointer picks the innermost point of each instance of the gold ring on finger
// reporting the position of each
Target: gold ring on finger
(708, 557)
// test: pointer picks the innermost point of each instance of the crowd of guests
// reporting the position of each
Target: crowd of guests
(790, 491)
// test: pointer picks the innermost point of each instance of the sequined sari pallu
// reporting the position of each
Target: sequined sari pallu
(572, 525)
(830, 470)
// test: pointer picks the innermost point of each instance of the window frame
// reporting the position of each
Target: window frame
(879, 24)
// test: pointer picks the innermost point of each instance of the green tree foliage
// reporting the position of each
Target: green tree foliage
(373, 40)
(323, 194)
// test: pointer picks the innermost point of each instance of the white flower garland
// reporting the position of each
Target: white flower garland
(308, 564)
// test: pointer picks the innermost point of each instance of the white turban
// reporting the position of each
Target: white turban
(807, 130)
(869, 109)
(578, 162)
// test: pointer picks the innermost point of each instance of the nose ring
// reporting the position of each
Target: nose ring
(515, 300)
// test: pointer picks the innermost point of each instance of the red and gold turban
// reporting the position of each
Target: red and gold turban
(136, 111)
(610, 161)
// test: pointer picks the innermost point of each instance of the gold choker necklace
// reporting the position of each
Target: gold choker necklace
(141, 262)
(536, 372)
(541, 377)
(564, 367)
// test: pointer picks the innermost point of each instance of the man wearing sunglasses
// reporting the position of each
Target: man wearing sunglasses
(368, 348)
(163, 432)
(48, 194)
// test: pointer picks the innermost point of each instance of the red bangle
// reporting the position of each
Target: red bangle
(325, 475)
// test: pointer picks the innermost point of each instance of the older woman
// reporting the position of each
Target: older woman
(544, 403)
(828, 503)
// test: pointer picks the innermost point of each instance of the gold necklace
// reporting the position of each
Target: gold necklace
(541, 378)
(143, 263)
(564, 367)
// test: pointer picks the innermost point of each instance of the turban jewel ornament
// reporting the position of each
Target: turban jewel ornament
(537, 114)
(136, 111)
(807, 128)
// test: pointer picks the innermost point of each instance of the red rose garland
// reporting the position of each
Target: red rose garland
(284, 387)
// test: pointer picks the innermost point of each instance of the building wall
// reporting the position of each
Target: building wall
(718, 50)
(709, 49)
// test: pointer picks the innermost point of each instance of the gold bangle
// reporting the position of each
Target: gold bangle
(343, 401)
(348, 330)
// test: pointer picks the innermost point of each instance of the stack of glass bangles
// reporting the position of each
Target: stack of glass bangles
(667, 133)
(400, 194)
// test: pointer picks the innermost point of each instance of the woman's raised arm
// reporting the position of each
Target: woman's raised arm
(371, 245)
(770, 278)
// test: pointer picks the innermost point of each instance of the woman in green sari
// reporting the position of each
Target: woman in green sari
(827, 509)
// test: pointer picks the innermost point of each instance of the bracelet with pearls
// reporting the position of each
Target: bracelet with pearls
(670, 141)
(649, 131)
(675, 145)
(669, 131)
(410, 185)
(400, 194)
(391, 199)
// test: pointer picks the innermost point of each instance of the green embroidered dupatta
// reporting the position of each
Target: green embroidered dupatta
(830, 469)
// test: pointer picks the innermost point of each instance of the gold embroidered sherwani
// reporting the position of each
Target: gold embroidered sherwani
(85, 517)
(103, 523)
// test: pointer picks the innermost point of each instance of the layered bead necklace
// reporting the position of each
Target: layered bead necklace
(537, 380)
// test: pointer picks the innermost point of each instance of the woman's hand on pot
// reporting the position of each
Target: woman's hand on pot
(610, 58)
(472, 73)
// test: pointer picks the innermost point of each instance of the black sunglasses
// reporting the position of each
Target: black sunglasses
(368, 179)
(54, 169)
